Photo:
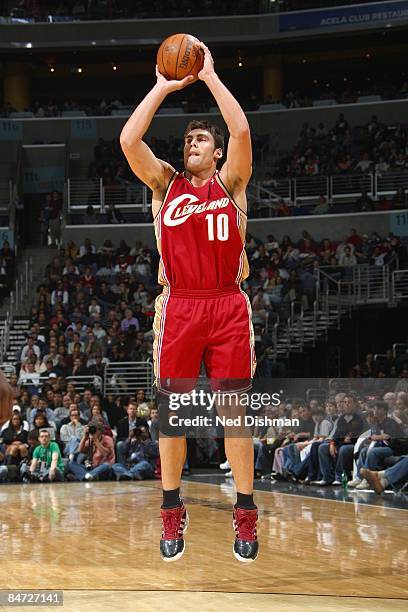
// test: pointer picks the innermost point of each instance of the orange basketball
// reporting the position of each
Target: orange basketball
(178, 56)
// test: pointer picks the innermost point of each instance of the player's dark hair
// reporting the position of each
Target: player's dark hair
(216, 132)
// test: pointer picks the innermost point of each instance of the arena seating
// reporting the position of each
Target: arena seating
(123, 9)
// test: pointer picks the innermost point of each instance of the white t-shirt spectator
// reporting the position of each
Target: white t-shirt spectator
(29, 378)
(347, 260)
(26, 348)
(59, 294)
(364, 165)
(342, 246)
(123, 269)
(82, 249)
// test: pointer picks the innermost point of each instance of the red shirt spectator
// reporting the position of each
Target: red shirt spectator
(355, 239)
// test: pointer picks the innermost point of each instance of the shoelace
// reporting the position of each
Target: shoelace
(245, 525)
(172, 523)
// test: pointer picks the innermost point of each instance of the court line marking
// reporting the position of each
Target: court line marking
(152, 590)
(337, 501)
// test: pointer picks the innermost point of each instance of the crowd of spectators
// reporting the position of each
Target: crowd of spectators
(198, 101)
(56, 432)
(357, 439)
(96, 305)
(39, 10)
(338, 439)
(344, 149)
(383, 365)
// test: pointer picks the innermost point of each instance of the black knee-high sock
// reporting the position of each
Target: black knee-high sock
(171, 499)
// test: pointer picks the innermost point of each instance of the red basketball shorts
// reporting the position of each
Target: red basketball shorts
(210, 326)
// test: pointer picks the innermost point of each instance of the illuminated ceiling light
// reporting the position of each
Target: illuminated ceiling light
(52, 69)
(114, 67)
(79, 69)
(29, 45)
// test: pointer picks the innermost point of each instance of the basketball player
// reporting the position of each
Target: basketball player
(202, 313)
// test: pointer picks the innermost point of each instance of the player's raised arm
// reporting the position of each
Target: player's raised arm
(237, 170)
(154, 172)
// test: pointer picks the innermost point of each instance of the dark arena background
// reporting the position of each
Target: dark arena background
(324, 86)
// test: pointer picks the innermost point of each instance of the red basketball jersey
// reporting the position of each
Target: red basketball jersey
(200, 234)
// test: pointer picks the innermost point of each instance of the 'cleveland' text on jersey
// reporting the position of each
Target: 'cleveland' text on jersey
(200, 234)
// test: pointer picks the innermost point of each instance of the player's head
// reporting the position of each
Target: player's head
(203, 146)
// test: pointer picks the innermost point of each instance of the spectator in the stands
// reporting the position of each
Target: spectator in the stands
(59, 296)
(55, 218)
(71, 433)
(336, 456)
(396, 476)
(29, 374)
(42, 410)
(90, 216)
(15, 439)
(113, 215)
(399, 199)
(61, 412)
(323, 207)
(99, 451)
(46, 464)
(347, 259)
(87, 247)
(382, 431)
(129, 321)
(125, 425)
(364, 203)
(139, 456)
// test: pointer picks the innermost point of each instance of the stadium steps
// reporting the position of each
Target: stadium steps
(41, 257)
(297, 338)
(17, 338)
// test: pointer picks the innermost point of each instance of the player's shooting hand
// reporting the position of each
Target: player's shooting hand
(208, 67)
(174, 85)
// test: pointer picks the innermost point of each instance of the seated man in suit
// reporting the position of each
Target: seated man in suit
(124, 426)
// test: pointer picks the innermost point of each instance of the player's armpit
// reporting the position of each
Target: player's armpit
(153, 172)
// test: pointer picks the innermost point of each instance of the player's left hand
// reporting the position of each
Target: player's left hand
(208, 67)
(174, 85)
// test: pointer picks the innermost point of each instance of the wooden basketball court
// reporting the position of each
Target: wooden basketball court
(98, 542)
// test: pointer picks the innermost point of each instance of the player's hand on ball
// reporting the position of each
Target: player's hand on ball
(175, 85)
(208, 67)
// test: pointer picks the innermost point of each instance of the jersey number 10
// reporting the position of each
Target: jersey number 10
(222, 227)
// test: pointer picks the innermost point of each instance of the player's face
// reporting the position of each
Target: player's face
(199, 151)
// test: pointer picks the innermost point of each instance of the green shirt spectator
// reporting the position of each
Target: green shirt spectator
(44, 453)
